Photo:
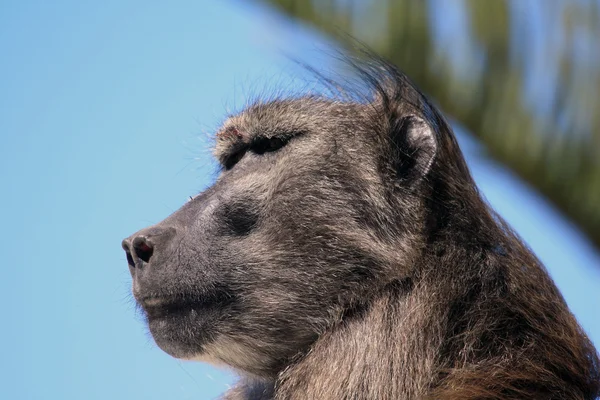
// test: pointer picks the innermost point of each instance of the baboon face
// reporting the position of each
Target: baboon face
(300, 226)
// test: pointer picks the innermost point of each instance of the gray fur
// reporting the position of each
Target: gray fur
(344, 252)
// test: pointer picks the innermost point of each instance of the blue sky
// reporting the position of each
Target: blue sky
(105, 110)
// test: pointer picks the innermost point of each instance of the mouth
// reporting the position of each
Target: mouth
(158, 307)
(182, 324)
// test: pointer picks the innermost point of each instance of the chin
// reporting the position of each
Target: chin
(183, 332)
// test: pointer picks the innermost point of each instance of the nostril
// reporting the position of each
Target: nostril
(129, 259)
(125, 246)
(142, 248)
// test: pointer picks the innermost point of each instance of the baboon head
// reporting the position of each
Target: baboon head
(320, 203)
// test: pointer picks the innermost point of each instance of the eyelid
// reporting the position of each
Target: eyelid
(263, 145)
(259, 145)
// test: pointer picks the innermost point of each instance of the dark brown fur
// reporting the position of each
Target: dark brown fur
(345, 253)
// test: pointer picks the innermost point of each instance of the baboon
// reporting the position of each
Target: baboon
(344, 252)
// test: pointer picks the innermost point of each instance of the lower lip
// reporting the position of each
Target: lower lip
(164, 308)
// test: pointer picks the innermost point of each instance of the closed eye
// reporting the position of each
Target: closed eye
(260, 145)
(265, 145)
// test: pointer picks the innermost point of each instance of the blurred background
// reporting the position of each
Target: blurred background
(106, 112)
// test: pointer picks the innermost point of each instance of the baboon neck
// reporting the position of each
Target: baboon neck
(385, 352)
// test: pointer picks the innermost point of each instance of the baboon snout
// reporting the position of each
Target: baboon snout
(146, 245)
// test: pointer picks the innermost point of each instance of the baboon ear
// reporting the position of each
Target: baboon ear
(414, 146)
